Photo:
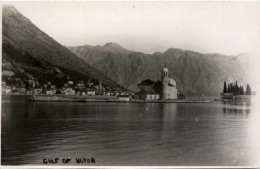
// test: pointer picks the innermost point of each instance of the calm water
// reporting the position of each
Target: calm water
(130, 133)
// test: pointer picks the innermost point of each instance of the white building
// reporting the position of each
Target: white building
(6, 89)
(37, 91)
(51, 92)
(91, 93)
(148, 95)
(123, 98)
(69, 91)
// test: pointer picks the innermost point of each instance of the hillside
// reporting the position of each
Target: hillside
(195, 73)
(28, 53)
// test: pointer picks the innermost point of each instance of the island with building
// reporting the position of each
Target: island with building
(160, 90)
(236, 92)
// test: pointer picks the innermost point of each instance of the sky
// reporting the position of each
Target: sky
(207, 27)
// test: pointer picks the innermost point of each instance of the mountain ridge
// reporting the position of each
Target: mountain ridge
(20, 35)
(29, 52)
(194, 72)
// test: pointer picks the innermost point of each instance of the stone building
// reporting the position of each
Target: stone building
(148, 95)
(169, 90)
(147, 91)
(123, 98)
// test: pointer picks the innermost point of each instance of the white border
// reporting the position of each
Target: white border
(116, 167)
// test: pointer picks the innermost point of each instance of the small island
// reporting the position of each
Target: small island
(235, 92)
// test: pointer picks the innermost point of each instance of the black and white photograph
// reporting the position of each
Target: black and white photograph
(130, 83)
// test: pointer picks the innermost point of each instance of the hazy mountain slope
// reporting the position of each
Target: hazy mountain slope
(25, 46)
(194, 73)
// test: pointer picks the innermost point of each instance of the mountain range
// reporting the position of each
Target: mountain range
(28, 52)
(195, 73)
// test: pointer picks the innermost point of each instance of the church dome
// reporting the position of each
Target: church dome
(165, 69)
(172, 82)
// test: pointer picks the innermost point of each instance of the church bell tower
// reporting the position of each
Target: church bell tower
(165, 79)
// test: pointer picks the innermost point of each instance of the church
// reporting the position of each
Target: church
(163, 90)
(169, 90)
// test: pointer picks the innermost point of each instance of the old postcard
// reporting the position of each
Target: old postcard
(130, 84)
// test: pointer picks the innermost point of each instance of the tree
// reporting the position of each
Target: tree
(231, 88)
(248, 90)
(228, 89)
(242, 90)
(225, 87)
(236, 88)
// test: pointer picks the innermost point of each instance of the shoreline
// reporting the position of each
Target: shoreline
(64, 98)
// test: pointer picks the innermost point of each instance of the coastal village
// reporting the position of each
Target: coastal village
(80, 88)
(163, 90)
(149, 90)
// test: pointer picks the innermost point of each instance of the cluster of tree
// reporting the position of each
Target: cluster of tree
(236, 89)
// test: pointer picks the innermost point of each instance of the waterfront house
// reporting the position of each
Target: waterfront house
(69, 91)
(123, 98)
(21, 90)
(50, 91)
(91, 93)
(6, 89)
(37, 91)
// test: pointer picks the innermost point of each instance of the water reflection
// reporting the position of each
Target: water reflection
(169, 112)
(130, 134)
(236, 107)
